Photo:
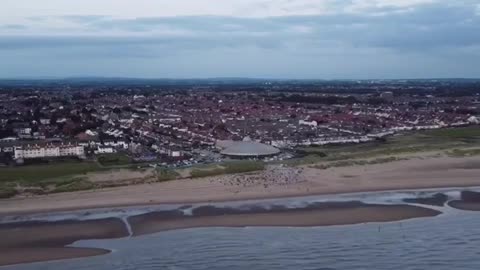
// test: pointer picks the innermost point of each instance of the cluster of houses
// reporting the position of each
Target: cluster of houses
(177, 125)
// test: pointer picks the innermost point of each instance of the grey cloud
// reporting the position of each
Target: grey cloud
(84, 18)
(13, 27)
(429, 25)
(128, 45)
(439, 34)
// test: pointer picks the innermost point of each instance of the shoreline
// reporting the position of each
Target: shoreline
(38, 241)
(107, 207)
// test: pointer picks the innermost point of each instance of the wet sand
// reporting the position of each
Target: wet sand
(10, 256)
(438, 199)
(470, 201)
(321, 214)
(41, 241)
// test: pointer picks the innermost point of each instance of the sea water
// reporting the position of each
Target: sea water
(448, 241)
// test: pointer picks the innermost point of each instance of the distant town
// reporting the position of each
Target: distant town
(186, 122)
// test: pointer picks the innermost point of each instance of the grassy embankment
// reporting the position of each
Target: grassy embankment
(453, 142)
(46, 178)
(231, 167)
(59, 176)
(165, 174)
(114, 159)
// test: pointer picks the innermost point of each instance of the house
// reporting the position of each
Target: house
(104, 150)
(22, 129)
(45, 121)
(47, 150)
(308, 123)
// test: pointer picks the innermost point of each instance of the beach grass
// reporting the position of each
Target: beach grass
(200, 173)
(35, 174)
(361, 162)
(46, 178)
(230, 167)
(243, 166)
(472, 132)
(166, 174)
(7, 191)
(442, 140)
(75, 184)
(464, 152)
(115, 159)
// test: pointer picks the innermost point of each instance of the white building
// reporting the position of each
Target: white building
(45, 121)
(23, 130)
(473, 120)
(105, 150)
(48, 150)
(117, 144)
(308, 123)
(175, 153)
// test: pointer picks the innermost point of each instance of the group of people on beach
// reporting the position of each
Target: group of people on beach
(277, 176)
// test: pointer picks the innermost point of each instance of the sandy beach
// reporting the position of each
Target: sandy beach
(415, 173)
(39, 241)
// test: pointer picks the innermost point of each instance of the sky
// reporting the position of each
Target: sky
(288, 39)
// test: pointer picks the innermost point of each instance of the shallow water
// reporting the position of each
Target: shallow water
(445, 242)
(448, 241)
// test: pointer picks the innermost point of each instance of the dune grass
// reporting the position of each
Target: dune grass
(409, 143)
(165, 174)
(47, 178)
(115, 159)
(33, 174)
(230, 167)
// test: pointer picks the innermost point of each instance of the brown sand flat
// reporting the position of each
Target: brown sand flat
(470, 201)
(40, 241)
(462, 205)
(406, 174)
(11, 256)
(155, 222)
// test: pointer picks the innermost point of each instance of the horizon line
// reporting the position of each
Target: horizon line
(51, 78)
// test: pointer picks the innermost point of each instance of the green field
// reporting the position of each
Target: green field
(114, 159)
(33, 174)
(441, 140)
(230, 167)
(48, 178)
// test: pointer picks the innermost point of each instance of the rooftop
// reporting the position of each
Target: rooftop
(247, 149)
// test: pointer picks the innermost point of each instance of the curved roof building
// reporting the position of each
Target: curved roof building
(247, 149)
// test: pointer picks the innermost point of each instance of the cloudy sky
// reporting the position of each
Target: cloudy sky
(317, 39)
